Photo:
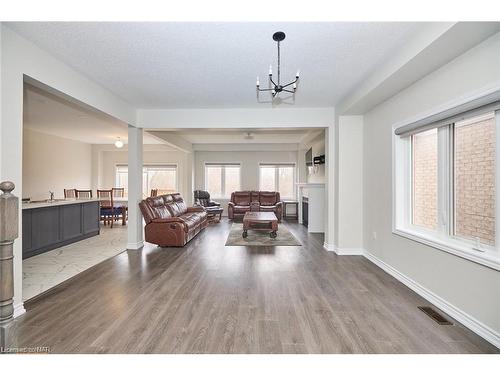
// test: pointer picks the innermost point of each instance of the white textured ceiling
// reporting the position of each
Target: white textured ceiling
(214, 65)
(50, 114)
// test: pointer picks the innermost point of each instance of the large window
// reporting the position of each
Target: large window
(161, 177)
(444, 184)
(474, 171)
(278, 177)
(222, 179)
(424, 159)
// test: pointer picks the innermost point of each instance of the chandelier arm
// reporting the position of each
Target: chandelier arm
(271, 79)
(290, 91)
(291, 83)
(265, 89)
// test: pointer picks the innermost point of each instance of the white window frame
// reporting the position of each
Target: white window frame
(152, 165)
(225, 194)
(276, 176)
(442, 238)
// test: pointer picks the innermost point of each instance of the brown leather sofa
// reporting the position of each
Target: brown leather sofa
(169, 222)
(243, 201)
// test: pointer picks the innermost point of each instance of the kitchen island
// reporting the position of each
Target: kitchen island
(48, 225)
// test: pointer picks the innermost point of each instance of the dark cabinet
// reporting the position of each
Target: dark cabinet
(89, 222)
(71, 221)
(44, 226)
(47, 228)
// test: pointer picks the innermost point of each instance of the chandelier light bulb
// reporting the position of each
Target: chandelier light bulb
(298, 73)
(270, 70)
(258, 83)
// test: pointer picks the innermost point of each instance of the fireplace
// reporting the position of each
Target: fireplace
(312, 206)
(305, 211)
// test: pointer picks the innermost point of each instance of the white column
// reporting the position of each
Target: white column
(188, 191)
(135, 228)
(349, 186)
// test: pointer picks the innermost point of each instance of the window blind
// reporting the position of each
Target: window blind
(277, 164)
(464, 111)
(222, 164)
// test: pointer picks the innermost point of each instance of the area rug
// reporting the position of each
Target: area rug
(259, 238)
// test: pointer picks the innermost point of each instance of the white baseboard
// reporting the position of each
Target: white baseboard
(328, 247)
(135, 245)
(19, 310)
(342, 251)
(468, 321)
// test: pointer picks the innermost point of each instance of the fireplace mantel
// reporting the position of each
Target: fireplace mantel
(315, 192)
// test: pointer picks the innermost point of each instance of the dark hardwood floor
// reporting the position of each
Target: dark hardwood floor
(208, 298)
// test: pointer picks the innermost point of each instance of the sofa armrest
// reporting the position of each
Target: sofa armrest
(279, 210)
(230, 204)
(196, 209)
(214, 203)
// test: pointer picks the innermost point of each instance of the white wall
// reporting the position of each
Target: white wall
(249, 166)
(54, 163)
(245, 118)
(470, 287)
(153, 154)
(318, 148)
(350, 185)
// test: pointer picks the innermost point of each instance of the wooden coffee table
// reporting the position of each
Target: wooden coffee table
(263, 221)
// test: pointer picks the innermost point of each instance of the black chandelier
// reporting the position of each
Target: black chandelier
(276, 87)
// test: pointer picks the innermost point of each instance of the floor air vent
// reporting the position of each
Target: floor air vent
(437, 317)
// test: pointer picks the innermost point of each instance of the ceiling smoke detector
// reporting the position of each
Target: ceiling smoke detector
(248, 135)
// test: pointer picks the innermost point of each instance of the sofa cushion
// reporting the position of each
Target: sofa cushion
(241, 209)
(158, 207)
(175, 204)
(267, 198)
(193, 220)
(241, 198)
(180, 203)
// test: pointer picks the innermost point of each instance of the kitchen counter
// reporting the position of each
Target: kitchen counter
(49, 225)
(57, 202)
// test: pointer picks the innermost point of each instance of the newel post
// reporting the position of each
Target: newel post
(9, 211)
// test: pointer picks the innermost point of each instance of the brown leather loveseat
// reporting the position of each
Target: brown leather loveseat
(169, 222)
(243, 201)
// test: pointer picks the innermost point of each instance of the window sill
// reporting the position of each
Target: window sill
(488, 258)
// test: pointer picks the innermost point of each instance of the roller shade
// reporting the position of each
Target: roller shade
(470, 109)
(222, 164)
(277, 164)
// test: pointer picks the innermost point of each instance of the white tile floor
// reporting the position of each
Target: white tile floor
(46, 270)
